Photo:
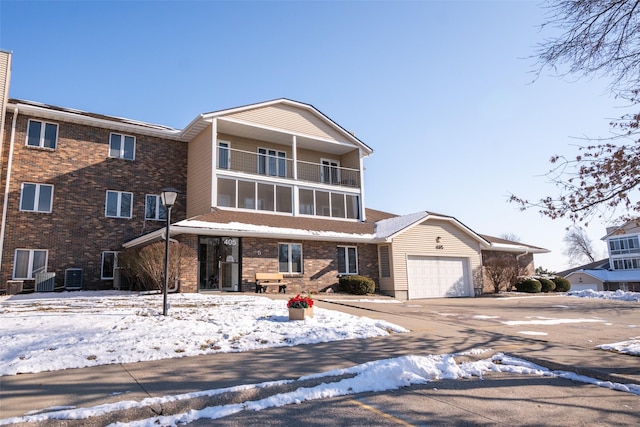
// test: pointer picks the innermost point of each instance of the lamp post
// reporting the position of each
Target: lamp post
(168, 197)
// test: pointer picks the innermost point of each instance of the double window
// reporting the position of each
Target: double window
(28, 262)
(122, 146)
(154, 209)
(118, 204)
(347, 260)
(36, 197)
(42, 134)
(272, 162)
(290, 258)
(330, 172)
(109, 265)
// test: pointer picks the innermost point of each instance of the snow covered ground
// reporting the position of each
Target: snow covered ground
(47, 332)
(42, 332)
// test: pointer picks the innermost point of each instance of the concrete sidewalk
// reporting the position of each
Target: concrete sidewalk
(115, 383)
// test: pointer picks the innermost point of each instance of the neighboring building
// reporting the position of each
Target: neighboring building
(620, 271)
(272, 187)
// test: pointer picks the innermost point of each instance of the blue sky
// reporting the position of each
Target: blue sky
(442, 91)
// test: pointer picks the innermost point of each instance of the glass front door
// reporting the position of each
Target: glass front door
(219, 263)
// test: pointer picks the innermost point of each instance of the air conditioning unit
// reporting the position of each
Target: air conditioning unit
(73, 279)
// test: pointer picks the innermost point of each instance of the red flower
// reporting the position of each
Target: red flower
(300, 302)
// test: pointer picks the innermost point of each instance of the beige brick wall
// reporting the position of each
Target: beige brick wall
(77, 231)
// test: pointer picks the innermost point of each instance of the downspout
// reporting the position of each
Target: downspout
(6, 186)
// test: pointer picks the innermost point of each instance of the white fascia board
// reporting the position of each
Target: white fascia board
(79, 117)
(150, 237)
(504, 247)
(246, 230)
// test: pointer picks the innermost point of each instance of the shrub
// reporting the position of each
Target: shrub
(548, 285)
(357, 285)
(528, 284)
(562, 284)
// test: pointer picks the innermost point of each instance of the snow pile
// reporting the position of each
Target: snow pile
(612, 295)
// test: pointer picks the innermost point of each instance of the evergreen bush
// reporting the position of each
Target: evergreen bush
(528, 284)
(548, 285)
(357, 285)
(562, 284)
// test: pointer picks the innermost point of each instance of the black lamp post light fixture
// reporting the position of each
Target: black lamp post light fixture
(168, 197)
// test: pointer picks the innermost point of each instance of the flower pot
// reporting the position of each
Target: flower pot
(300, 313)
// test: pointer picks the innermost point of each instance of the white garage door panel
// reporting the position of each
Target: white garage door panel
(436, 277)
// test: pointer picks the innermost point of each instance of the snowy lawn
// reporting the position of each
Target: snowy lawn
(58, 331)
(46, 332)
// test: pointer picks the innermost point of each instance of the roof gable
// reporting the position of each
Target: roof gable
(283, 115)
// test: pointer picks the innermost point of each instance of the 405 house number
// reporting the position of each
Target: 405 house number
(439, 246)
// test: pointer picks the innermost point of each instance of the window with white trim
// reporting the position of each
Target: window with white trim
(626, 264)
(272, 162)
(624, 245)
(224, 155)
(347, 260)
(330, 172)
(290, 258)
(255, 195)
(109, 264)
(154, 210)
(42, 134)
(118, 204)
(122, 146)
(328, 203)
(28, 262)
(36, 197)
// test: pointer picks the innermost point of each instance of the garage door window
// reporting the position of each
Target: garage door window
(347, 260)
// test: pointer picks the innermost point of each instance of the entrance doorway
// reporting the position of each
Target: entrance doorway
(218, 263)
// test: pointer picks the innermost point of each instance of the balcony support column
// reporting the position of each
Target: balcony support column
(214, 163)
(363, 216)
(294, 155)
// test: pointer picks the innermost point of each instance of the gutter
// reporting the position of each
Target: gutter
(6, 186)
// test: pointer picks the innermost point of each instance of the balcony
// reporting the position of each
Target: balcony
(275, 165)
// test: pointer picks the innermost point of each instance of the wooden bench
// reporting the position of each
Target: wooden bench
(270, 279)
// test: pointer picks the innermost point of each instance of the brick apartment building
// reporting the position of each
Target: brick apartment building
(275, 187)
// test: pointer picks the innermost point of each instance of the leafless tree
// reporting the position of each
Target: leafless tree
(145, 266)
(510, 237)
(579, 247)
(596, 38)
(502, 271)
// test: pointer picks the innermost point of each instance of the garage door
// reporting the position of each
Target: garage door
(437, 277)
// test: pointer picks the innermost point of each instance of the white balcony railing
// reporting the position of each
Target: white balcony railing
(282, 167)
